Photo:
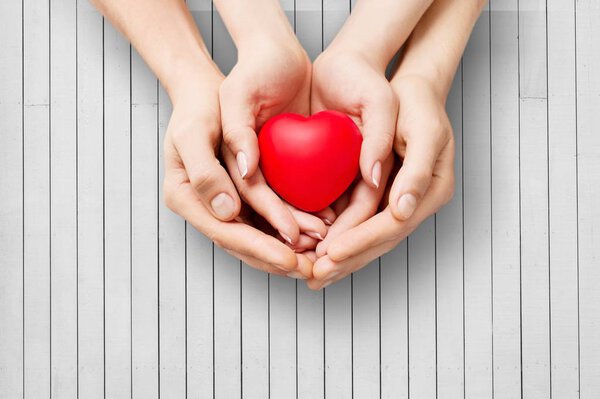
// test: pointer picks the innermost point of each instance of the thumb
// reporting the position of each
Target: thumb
(208, 178)
(379, 125)
(414, 178)
(239, 122)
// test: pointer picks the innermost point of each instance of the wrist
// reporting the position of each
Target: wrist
(436, 77)
(193, 73)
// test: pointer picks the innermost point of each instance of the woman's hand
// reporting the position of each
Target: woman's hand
(424, 183)
(199, 189)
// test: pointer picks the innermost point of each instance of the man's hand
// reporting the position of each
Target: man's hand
(425, 144)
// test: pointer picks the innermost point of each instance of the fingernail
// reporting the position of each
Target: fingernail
(406, 205)
(242, 162)
(376, 173)
(333, 275)
(286, 237)
(297, 275)
(327, 221)
(222, 204)
(315, 235)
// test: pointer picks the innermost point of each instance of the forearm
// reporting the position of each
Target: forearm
(378, 28)
(437, 43)
(255, 21)
(165, 35)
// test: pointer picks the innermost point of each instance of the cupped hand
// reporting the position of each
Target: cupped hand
(199, 189)
(425, 182)
(271, 76)
(345, 80)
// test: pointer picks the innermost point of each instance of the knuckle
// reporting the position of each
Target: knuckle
(448, 189)
(202, 179)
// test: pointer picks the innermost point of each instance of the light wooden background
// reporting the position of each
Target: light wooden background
(104, 293)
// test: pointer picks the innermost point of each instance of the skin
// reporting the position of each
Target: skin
(423, 140)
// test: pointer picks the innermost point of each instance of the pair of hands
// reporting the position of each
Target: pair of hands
(216, 117)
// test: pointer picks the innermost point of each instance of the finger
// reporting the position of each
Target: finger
(327, 271)
(304, 242)
(210, 180)
(263, 200)
(327, 215)
(415, 175)
(384, 227)
(257, 263)
(309, 224)
(378, 130)
(239, 123)
(235, 236)
(363, 204)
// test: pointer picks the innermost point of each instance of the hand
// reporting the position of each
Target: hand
(346, 81)
(272, 76)
(198, 188)
(424, 183)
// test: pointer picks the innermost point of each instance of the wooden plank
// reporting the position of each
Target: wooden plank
(255, 333)
(36, 205)
(338, 304)
(117, 265)
(199, 276)
(394, 323)
(505, 198)
(477, 212)
(282, 337)
(562, 173)
(11, 199)
(144, 230)
(282, 314)
(535, 329)
(588, 150)
(171, 279)
(365, 331)
(310, 304)
(422, 311)
(63, 199)
(90, 233)
(449, 269)
(227, 270)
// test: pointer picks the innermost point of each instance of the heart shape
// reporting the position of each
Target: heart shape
(310, 161)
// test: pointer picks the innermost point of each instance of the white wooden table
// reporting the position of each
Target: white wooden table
(104, 293)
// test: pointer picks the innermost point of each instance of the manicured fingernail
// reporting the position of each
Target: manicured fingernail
(327, 221)
(297, 275)
(286, 237)
(315, 235)
(407, 205)
(376, 173)
(242, 162)
(222, 204)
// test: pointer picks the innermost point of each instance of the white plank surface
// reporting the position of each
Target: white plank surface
(90, 231)
(117, 215)
(477, 213)
(534, 201)
(63, 199)
(588, 163)
(36, 202)
(11, 201)
(562, 173)
(107, 293)
(449, 269)
(506, 245)
(144, 230)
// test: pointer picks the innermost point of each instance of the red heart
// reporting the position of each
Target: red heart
(310, 161)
